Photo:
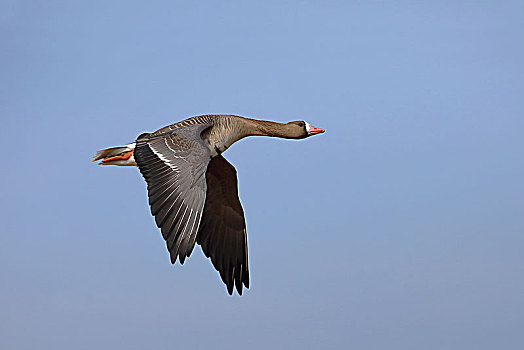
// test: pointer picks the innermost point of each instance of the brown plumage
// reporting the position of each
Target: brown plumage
(192, 189)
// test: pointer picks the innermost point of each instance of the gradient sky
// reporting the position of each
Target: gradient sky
(401, 227)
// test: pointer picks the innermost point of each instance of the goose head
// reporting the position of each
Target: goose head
(301, 129)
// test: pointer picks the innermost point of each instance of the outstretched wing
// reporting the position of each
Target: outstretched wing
(174, 166)
(222, 233)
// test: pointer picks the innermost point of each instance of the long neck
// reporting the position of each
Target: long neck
(253, 127)
(230, 129)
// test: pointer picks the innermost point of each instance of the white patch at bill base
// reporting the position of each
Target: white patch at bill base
(308, 127)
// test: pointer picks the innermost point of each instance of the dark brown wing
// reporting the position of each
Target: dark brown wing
(222, 233)
(174, 165)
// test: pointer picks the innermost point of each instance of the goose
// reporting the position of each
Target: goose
(192, 188)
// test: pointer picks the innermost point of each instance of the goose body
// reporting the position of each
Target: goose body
(192, 188)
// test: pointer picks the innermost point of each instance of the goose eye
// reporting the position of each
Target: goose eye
(301, 124)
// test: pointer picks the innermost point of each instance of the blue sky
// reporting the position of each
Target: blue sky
(401, 227)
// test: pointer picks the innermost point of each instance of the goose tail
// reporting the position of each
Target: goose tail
(122, 156)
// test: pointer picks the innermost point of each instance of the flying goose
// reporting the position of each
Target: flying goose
(192, 188)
